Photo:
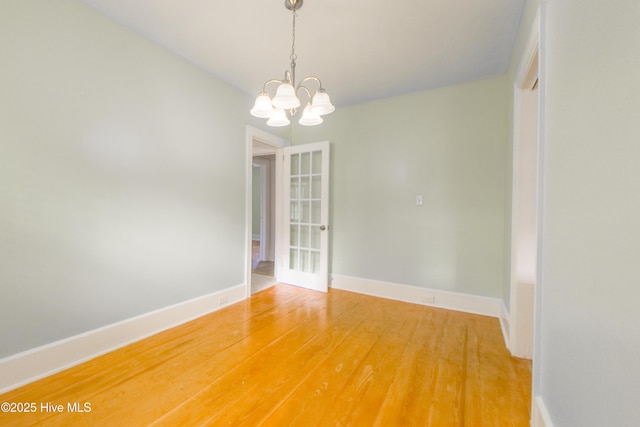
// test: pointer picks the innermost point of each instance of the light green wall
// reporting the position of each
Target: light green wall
(590, 345)
(448, 145)
(587, 326)
(122, 172)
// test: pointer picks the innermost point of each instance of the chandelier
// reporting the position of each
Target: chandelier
(285, 103)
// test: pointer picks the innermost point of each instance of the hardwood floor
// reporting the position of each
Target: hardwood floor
(293, 357)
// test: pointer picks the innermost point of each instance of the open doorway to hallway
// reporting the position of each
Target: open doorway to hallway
(262, 196)
(263, 219)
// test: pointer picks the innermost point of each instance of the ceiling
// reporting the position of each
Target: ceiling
(361, 49)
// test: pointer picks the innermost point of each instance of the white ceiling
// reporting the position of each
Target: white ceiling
(360, 49)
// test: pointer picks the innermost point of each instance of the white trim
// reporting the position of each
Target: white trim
(475, 304)
(505, 324)
(520, 332)
(527, 72)
(541, 19)
(539, 415)
(521, 338)
(253, 133)
(31, 365)
(265, 137)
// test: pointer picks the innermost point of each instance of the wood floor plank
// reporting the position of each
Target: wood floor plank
(370, 381)
(276, 368)
(320, 391)
(291, 357)
(319, 396)
(411, 393)
(204, 367)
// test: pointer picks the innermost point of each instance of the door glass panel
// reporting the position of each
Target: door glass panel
(316, 186)
(295, 164)
(316, 167)
(305, 164)
(315, 212)
(293, 235)
(305, 187)
(315, 237)
(302, 189)
(315, 262)
(294, 212)
(304, 236)
(304, 261)
(293, 259)
(305, 208)
(294, 188)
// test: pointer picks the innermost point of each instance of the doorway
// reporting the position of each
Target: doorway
(263, 219)
(261, 200)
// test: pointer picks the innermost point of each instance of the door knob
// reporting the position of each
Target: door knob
(322, 227)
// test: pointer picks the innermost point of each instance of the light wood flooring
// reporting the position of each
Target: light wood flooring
(293, 357)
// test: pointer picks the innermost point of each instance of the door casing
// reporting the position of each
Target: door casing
(266, 140)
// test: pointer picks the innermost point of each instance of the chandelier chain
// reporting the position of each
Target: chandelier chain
(293, 56)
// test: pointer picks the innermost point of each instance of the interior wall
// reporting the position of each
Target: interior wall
(122, 173)
(448, 145)
(587, 322)
(590, 319)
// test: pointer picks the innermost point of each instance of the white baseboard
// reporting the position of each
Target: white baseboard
(505, 324)
(522, 313)
(435, 298)
(37, 363)
(539, 415)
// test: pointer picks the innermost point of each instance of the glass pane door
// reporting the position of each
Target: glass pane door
(306, 176)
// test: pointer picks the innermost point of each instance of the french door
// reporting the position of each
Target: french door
(304, 252)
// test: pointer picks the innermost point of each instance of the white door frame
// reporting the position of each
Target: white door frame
(255, 134)
(523, 290)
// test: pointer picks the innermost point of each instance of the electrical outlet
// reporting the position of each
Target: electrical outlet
(223, 300)
(428, 299)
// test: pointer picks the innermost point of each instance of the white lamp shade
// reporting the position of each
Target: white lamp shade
(308, 118)
(286, 98)
(278, 118)
(262, 108)
(321, 103)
